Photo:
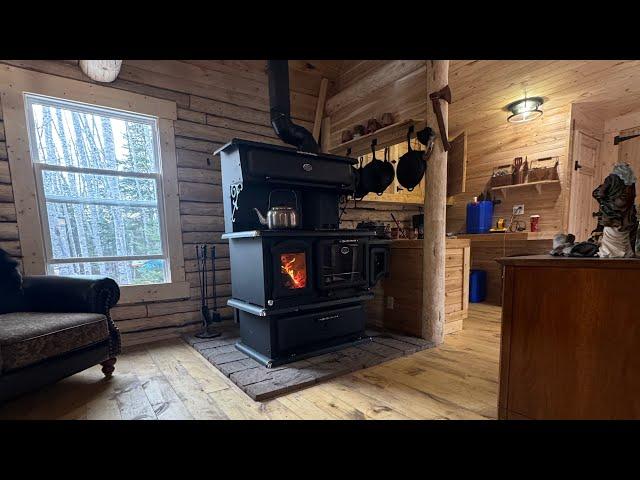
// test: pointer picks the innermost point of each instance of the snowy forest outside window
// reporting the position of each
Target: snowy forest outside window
(98, 176)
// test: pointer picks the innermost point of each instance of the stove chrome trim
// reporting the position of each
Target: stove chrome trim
(247, 307)
(320, 233)
(263, 312)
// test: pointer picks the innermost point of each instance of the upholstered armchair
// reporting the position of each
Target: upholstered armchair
(56, 327)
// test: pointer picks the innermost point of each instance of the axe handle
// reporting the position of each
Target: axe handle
(443, 131)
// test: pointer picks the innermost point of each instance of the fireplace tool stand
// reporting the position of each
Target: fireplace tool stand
(208, 317)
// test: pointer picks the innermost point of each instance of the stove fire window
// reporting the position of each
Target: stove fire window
(293, 270)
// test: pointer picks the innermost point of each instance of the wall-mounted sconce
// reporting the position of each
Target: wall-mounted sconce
(525, 110)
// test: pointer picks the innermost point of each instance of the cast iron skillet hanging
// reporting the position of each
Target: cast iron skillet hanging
(413, 164)
(375, 176)
(389, 172)
(359, 190)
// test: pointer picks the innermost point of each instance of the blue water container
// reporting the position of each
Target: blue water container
(477, 286)
(479, 216)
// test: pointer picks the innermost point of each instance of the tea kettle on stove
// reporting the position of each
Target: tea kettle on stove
(282, 216)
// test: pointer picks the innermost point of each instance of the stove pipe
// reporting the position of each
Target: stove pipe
(289, 132)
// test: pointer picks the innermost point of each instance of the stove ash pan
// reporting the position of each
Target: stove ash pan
(280, 339)
(276, 274)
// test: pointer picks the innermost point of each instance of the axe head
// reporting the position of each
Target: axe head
(443, 94)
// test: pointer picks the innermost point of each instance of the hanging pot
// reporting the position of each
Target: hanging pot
(376, 176)
(426, 137)
(387, 172)
(411, 166)
(360, 190)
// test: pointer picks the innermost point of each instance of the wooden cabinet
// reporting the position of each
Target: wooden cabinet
(570, 339)
(402, 290)
(486, 248)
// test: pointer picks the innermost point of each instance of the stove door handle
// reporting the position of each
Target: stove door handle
(307, 184)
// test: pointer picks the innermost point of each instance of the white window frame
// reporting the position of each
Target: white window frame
(25, 173)
(39, 166)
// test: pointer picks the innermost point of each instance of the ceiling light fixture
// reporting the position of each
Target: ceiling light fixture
(525, 110)
(101, 70)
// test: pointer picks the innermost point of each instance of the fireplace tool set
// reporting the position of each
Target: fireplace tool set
(209, 317)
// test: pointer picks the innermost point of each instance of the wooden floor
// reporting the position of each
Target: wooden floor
(169, 380)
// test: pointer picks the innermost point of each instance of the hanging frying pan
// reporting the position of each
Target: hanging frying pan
(360, 190)
(427, 137)
(375, 176)
(387, 172)
(411, 166)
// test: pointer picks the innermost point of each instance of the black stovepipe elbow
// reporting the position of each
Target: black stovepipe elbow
(280, 107)
(293, 134)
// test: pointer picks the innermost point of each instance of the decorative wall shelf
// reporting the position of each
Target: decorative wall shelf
(538, 186)
(386, 136)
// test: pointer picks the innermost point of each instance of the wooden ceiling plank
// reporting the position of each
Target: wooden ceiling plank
(356, 71)
(379, 78)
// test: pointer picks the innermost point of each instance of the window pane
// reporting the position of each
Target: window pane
(91, 140)
(90, 186)
(131, 272)
(88, 230)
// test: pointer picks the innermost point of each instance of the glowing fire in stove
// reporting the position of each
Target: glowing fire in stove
(294, 268)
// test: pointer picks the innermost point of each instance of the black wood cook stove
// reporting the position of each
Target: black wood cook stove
(295, 292)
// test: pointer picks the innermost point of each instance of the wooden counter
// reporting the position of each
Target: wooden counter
(570, 338)
(398, 301)
(487, 247)
(501, 237)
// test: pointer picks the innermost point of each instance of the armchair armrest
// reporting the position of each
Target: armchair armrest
(87, 294)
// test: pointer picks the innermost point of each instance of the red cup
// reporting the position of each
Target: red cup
(535, 221)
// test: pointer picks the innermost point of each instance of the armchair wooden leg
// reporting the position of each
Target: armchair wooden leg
(108, 366)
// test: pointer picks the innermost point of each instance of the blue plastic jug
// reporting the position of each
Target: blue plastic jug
(479, 216)
(477, 286)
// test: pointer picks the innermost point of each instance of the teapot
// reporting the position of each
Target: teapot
(282, 216)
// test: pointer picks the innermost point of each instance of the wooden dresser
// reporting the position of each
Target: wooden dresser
(570, 345)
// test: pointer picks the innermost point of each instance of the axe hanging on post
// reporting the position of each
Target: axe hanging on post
(442, 94)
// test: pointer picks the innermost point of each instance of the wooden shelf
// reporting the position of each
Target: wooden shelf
(385, 136)
(538, 186)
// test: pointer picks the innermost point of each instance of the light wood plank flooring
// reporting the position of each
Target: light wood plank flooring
(168, 380)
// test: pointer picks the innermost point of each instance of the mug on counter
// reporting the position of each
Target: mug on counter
(535, 223)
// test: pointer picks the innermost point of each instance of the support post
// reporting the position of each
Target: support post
(435, 199)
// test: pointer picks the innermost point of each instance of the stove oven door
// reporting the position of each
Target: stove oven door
(342, 263)
(291, 268)
(378, 262)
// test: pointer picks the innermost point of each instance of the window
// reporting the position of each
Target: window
(99, 187)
